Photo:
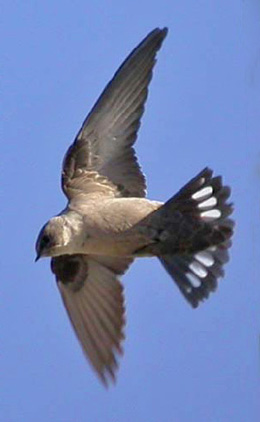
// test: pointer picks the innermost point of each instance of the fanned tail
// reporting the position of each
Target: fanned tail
(204, 236)
(191, 235)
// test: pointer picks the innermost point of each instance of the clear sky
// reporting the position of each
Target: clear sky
(180, 364)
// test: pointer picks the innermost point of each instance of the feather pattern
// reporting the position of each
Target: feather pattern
(102, 158)
(94, 300)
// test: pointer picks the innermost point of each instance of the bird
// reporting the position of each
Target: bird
(108, 221)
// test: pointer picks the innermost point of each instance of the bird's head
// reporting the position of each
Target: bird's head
(53, 238)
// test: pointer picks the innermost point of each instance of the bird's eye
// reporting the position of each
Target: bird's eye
(45, 241)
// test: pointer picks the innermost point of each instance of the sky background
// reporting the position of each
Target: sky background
(180, 364)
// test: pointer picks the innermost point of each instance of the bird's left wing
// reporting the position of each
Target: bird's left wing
(93, 297)
(102, 159)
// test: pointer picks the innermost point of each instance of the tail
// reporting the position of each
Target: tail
(193, 235)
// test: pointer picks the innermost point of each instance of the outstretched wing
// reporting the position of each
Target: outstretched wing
(102, 158)
(93, 297)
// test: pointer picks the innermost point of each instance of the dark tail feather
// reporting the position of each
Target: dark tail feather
(196, 251)
(203, 196)
(196, 275)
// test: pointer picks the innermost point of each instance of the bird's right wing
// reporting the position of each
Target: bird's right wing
(93, 298)
(102, 159)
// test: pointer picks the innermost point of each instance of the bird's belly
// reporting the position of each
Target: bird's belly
(113, 228)
(117, 245)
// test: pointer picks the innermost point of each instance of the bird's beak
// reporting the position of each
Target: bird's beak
(37, 257)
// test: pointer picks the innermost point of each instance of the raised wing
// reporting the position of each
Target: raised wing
(93, 297)
(102, 158)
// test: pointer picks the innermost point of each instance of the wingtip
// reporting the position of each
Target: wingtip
(162, 32)
(165, 31)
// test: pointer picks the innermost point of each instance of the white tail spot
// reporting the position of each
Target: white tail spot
(193, 279)
(188, 289)
(205, 258)
(212, 248)
(202, 193)
(211, 214)
(198, 269)
(211, 202)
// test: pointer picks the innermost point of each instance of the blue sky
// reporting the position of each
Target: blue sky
(203, 109)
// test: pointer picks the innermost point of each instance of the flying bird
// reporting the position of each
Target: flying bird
(108, 222)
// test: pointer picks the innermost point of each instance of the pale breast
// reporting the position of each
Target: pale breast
(109, 226)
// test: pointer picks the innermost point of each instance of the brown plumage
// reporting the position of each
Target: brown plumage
(108, 222)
